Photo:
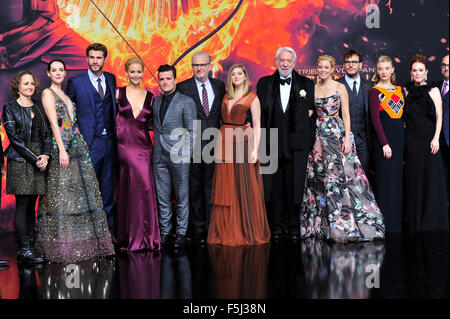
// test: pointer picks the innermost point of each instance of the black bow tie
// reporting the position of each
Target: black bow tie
(284, 81)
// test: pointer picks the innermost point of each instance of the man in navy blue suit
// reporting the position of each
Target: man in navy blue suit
(93, 93)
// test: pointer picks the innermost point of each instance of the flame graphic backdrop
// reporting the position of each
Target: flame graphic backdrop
(237, 31)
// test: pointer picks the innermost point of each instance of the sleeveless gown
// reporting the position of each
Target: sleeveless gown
(137, 215)
(425, 198)
(71, 219)
(338, 203)
(238, 216)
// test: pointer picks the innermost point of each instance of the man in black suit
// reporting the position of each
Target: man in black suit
(287, 104)
(358, 93)
(207, 94)
(443, 140)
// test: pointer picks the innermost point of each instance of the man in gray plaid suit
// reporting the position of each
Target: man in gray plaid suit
(173, 114)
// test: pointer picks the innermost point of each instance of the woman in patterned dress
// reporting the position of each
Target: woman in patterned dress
(338, 203)
(72, 221)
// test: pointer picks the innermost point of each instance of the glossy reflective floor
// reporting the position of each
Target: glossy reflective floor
(400, 267)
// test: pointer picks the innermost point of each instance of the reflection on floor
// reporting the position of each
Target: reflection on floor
(401, 267)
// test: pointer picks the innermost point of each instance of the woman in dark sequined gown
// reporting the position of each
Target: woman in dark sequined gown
(72, 221)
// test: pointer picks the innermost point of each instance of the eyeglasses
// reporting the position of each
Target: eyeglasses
(351, 62)
(204, 65)
(444, 65)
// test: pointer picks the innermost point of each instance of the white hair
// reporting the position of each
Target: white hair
(202, 53)
(289, 49)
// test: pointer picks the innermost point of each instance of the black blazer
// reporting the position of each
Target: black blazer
(301, 126)
(445, 113)
(18, 128)
(189, 88)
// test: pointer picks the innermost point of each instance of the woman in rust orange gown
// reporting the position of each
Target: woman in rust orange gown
(238, 215)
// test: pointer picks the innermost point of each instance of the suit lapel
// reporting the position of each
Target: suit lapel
(173, 102)
(273, 92)
(216, 94)
(365, 90)
(158, 101)
(197, 99)
(88, 88)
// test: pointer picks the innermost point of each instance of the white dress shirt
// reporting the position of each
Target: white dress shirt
(285, 93)
(209, 91)
(350, 81)
(94, 82)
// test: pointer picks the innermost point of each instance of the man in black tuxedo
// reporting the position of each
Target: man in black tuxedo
(287, 104)
(358, 93)
(207, 94)
(443, 86)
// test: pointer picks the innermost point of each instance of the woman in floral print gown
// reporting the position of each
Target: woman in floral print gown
(338, 203)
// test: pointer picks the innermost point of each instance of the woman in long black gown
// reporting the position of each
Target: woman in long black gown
(424, 178)
(386, 101)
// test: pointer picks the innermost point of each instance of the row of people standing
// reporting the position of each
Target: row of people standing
(408, 130)
(233, 223)
(45, 137)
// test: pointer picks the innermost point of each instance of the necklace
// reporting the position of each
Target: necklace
(387, 87)
(25, 103)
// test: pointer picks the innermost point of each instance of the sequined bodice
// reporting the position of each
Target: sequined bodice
(70, 133)
(62, 111)
(328, 106)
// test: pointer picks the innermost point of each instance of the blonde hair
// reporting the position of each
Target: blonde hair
(382, 59)
(230, 82)
(133, 61)
(328, 58)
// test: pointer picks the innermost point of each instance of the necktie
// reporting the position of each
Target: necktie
(100, 88)
(444, 88)
(205, 100)
(355, 92)
(284, 81)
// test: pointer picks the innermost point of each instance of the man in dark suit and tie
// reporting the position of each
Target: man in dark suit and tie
(358, 93)
(93, 93)
(287, 104)
(443, 140)
(207, 94)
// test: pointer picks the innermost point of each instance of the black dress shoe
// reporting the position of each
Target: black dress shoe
(199, 238)
(180, 242)
(276, 237)
(164, 240)
(294, 238)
